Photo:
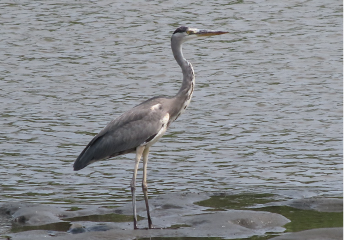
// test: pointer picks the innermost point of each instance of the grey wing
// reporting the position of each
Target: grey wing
(121, 136)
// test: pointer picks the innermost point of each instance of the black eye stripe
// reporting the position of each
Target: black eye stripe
(180, 30)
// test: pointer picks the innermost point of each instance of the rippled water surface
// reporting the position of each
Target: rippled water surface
(266, 113)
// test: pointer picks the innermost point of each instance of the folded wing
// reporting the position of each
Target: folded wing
(122, 135)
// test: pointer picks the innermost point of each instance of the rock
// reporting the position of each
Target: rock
(76, 228)
(37, 215)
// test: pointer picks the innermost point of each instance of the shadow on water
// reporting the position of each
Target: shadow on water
(60, 226)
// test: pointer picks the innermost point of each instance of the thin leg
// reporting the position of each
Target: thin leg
(139, 151)
(144, 185)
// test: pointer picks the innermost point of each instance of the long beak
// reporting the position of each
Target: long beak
(204, 33)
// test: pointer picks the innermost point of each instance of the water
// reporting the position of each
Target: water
(266, 114)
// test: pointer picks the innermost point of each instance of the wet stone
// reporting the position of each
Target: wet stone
(76, 228)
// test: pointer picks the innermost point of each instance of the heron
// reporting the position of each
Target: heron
(136, 130)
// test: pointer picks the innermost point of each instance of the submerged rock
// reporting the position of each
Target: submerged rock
(314, 234)
(318, 204)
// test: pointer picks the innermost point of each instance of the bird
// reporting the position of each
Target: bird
(136, 130)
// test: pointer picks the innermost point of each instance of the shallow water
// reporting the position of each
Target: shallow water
(266, 113)
(183, 216)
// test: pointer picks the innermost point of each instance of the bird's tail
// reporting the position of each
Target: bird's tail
(102, 146)
(97, 149)
(83, 160)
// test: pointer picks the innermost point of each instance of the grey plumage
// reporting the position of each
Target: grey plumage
(139, 128)
(120, 135)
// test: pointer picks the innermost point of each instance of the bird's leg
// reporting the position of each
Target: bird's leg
(139, 151)
(144, 185)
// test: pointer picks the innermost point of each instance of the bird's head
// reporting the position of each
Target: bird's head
(183, 34)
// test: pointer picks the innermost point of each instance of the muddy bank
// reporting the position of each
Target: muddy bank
(175, 215)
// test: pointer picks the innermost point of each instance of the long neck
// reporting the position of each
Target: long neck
(183, 97)
(188, 72)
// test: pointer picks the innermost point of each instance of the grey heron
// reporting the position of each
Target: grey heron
(139, 128)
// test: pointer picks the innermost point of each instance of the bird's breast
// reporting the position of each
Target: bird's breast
(164, 125)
